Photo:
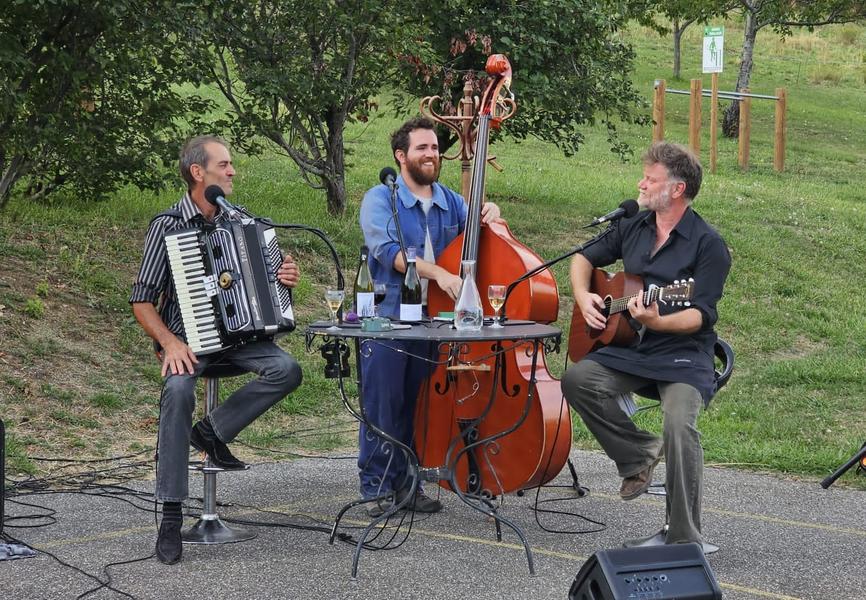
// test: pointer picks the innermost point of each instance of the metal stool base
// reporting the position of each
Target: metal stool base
(658, 539)
(214, 531)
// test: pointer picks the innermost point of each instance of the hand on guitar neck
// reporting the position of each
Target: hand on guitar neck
(622, 295)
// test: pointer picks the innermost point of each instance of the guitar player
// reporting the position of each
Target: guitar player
(664, 242)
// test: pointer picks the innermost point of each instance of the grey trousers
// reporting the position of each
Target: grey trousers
(592, 390)
(279, 374)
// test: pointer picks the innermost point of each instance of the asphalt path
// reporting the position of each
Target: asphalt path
(779, 539)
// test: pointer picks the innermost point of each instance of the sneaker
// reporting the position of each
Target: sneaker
(168, 543)
(634, 486)
(203, 439)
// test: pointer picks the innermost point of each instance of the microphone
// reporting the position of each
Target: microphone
(388, 176)
(628, 208)
(216, 196)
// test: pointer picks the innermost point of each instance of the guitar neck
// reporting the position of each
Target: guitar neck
(621, 304)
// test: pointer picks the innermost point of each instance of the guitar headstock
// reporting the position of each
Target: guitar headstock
(679, 293)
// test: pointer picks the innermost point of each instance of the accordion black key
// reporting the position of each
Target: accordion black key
(227, 287)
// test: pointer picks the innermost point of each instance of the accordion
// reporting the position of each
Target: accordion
(226, 282)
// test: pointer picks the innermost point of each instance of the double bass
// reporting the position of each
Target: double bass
(465, 411)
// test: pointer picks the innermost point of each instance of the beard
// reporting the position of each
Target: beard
(421, 174)
(656, 202)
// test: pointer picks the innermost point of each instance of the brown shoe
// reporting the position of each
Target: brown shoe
(634, 486)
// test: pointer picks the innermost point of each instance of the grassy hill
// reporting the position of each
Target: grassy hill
(78, 378)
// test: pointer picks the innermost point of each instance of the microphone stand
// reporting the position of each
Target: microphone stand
(393, 198)
(547, 265)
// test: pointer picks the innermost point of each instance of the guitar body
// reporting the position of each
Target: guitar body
(582, 339)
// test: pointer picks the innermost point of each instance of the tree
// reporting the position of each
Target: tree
(782, 15)
(570, 64)
(683, 13)
(295, 73)
(89, 96)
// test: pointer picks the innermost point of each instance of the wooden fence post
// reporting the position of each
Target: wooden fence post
(714, 123)
(695, 116)
(779, 146)
(659, 110)
(745, 131)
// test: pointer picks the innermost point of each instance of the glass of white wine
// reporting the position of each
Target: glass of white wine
(496, 297)
(334, 298)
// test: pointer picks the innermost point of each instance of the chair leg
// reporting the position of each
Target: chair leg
(209, 529)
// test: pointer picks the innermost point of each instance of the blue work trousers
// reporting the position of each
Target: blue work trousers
(391, 377)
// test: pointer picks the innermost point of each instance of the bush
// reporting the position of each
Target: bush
(34, 308)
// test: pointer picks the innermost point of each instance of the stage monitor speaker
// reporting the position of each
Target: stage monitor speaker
(671, 571)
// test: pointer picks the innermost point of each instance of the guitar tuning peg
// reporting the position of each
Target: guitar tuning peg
(676, 281)
(691, 279)
(687, 304)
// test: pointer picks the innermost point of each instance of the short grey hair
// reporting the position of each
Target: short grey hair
(681, 163)
(193, 152)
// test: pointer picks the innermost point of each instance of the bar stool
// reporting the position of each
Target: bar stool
(725, 366)
(210, 529)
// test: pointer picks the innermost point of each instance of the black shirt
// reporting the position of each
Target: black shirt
(693, 250)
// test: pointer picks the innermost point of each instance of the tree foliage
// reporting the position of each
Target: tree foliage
(295, 73)
(89, 95)
(571, 67)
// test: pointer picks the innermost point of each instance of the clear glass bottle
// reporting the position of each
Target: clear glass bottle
(468, 313)
(364, 287)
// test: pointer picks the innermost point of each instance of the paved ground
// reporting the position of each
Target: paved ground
(779, 539)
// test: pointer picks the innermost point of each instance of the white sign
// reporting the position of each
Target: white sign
(714, 47)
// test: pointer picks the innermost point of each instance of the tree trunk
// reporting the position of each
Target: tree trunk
(9, 176)
(731, 121)
(335, 177)
(678, 38)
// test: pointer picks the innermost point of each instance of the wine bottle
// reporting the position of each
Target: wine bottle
(364, 287)
(410, 290)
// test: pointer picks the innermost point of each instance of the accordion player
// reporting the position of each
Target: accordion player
(226, 283)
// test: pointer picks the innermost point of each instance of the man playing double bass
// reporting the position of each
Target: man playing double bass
(431, 216)
(666, 241)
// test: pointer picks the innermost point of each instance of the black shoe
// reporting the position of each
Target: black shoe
(168, 542)
(205, 440)
(421, 503)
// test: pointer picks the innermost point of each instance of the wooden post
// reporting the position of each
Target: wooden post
(714, 123)
(745, 131)
(659, 110)
(779, 146)
(467, 109)
(695, 116)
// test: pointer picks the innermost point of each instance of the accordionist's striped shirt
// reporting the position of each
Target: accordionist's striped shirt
(154, 282)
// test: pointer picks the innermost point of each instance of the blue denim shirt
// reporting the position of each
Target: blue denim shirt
(446, 219)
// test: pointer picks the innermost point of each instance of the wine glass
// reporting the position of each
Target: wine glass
(380, 288)
(334, 298)
(496, 297)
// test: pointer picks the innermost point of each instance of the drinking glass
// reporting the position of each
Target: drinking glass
(380, 288)
(334, 298)
(496, 297)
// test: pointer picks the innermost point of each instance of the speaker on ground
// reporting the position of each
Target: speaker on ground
(671, 571)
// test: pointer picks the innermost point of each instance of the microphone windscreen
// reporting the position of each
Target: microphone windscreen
(212, 192)
(630, 207)
(386, 173)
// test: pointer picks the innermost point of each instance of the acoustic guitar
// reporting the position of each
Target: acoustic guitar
(617, 290)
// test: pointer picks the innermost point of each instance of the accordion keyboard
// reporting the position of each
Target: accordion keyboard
(194, 291)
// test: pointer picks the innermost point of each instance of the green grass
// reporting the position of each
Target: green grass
(793, 308)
